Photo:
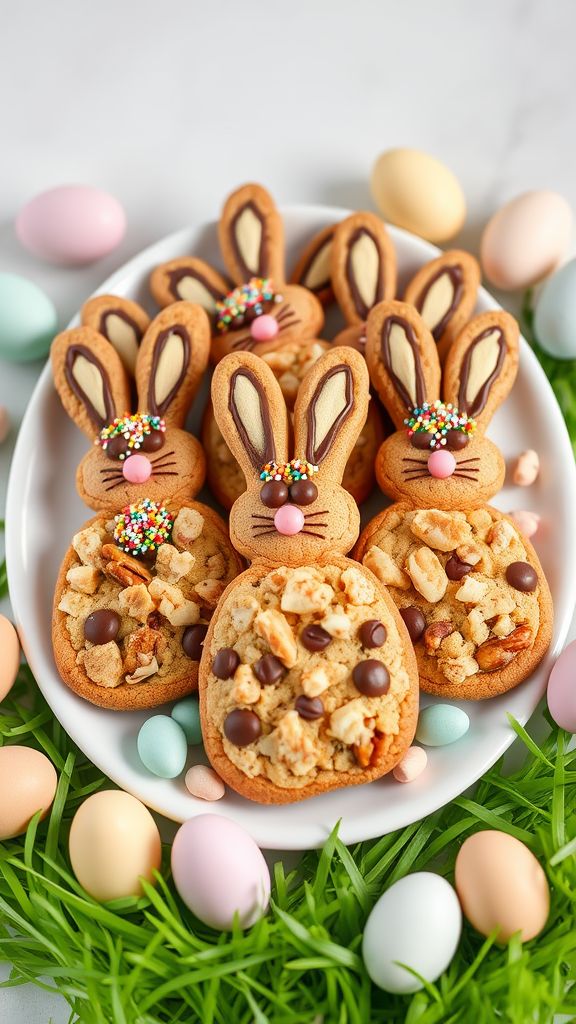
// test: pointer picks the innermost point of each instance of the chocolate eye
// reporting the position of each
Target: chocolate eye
(117, 447)
(456, 440)
(420, 439)
(274, 494)
(153, 441)
(303, 492)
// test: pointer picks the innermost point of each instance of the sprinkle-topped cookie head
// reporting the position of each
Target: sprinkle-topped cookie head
(129, 434)
(246, 303)
(140, 529)
(437, 425)
(288, 482)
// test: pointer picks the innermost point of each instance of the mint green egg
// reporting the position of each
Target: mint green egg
(187, 714)
(441, 724)
(162, 746)
(28, 320)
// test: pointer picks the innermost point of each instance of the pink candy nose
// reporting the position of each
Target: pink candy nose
(136, 469)
(441, 464)
(289, 519)
(264, 328)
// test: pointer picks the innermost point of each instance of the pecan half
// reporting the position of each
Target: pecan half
(435, 633)
(495, 654)
(119, 566)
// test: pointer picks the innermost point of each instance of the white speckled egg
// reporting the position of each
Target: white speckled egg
(555, 313)
(526, 239)
(416, 922)
(419, 193)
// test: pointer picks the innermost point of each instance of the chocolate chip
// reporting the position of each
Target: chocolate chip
(102, 626)
(309, 707)
(192, 640)
(371, 678)
(242, 727)
(372, 633)
(274, 494)
(456, 440)
(116, 447)
(421, 439)
(303, 492)
(455, 569)
(225, 663)
(414, 621)
(522, 576)
(268, 669)
(153, 441)
(314, 638)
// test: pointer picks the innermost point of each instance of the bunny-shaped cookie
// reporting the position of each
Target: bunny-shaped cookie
(140, 580)
(469, 587)
(307, 681)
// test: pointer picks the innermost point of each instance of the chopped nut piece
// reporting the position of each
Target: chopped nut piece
(171, 564)
(502, 626)
(305, 593)
(274, 629)
(470, 553)
(84, 578)
(210, 592)
(142, 646)
(497, 602)
(122, 568)
(435, 633)
(441, 530)
(385, 569)
(338, 625)
(136, 602)
(458, 670)
(143, 672)
(75, 604)
(358, 589)
(88, 545)
(350, 724)
(501, 536)
(246, 688)
(103, 664)
(172, 604)
(454, 645)
(481, 521)
(216, 566)
(427, 574)
(476, 627)
(293, 743)
(495, 654)
(471, 591)
(314, 680)
(243, 613)
(188, 526)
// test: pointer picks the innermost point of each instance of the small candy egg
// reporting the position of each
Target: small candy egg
(187, 714)
(4, 423)
(526, 468)
(71, 224)
(415, 191)
(203, 783)
(28, 320)
(218, 870)
(411, 766)
(526, 239)
(9, 656)
(501, 885)
(555, 313)
(562, 689)
(27, 784)
(527, 522)
(416, 922)
(441, 724)
(162, 746)
(114, 841)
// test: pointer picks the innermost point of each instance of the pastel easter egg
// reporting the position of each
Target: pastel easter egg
(419, 193)
(416, 922)
(28, 783)
(187, 714)
(411, 766)
(562, 689)
(219, 871)
(162, 746)
(28, 319)
(441, 724)
(526, 239)
(501, 885)
(71, 225)
(9, 656)
(114, 841)
(555, 313)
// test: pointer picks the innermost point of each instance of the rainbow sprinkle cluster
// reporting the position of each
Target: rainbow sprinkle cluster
(133, 428)
(437, 418)
(247, 299)
(288, 472)
(141, 529)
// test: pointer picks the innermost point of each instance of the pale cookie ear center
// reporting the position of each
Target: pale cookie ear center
(365, 267)
(484, 357)
(247, 402)
(330, 404)
(124, 339)
(248, 234)
(318, 272)
(170, 368)
(89, 379)
(438, 301)
(402, 360)
(192, 290)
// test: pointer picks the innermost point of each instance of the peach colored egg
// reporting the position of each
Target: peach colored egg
(526, 239)
(500, 884)
(114, 841)
(419, 193)
(412, 765)
(27, 784)
(9, 656)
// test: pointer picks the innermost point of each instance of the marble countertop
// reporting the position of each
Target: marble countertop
(171, 110)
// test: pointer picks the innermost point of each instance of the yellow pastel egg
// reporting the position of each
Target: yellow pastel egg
(27, 784)
(419, 193)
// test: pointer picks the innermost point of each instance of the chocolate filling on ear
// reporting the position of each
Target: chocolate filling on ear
(176, 276)
(475, 406)
(260, 270)
(104, 329)
(71, 356)
(402, 385)
(456, 279)
(158, 408)
(316, 454)
(268, 452)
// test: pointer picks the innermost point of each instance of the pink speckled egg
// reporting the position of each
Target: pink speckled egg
(71, 224)
(218, 870)
(562, 689)
(526, 239)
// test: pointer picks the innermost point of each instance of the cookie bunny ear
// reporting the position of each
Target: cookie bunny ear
(444, 292)
(482, 364)
(251, 235)
(190, 280)
(172, 358)
(250, 410)
(313, 268)
(363, 265)
(402, 359)
(331, 409)
(121, 321)
(90, 378)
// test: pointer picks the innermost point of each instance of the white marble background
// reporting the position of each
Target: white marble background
(169, 106)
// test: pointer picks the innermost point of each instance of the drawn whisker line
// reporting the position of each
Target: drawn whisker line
(462, 476)
(419, 462)
(287, 324)
(462, 462)
(324, 512)
(164, 455)
(241, 341)
(169, 473)
(263, 533)
(416, 476)
(269, 519)
(310, 533)
(164, 465)
(287, 310)
(112, 486)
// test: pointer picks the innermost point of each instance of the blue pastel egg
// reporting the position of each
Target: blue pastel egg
(28, 319)
(555, 313)
(441, 724)
(162, 746)
(187, 714)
